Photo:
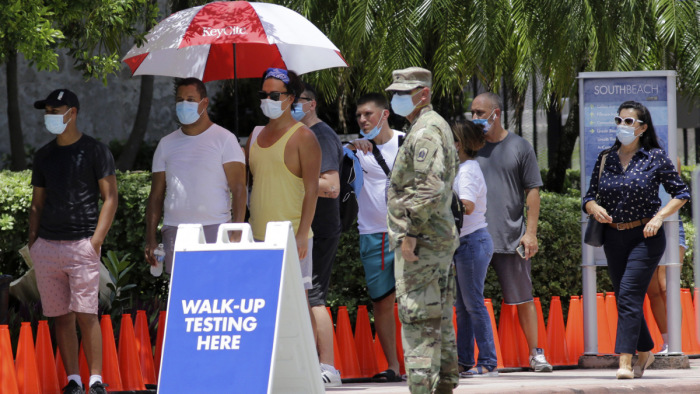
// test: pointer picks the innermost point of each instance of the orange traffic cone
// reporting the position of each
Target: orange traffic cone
(45, 362)
(346, 345)
(83, 366)
(556, 334)
(110, 361)
(159, 343)
(508, 337)
(696, 306)
(382, 363)
(129, 364)
(8, 374)
(523, 347)
(574, 330)
(454, 320)
(652, 326)
(25, 364)
(143, 346)
(496, 340)
(611, 312)
(337, 361)
(605, 345)
(541, 329)
(365, 343)
(688, 325)
(399, 341)
(60, 370)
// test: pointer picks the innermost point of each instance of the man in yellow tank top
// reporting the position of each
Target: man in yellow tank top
(284, 163)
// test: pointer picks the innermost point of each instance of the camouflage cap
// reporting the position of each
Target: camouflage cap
(410, 78)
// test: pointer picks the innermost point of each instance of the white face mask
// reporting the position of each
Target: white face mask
(187, 111)
(54, 123)
(272, 109)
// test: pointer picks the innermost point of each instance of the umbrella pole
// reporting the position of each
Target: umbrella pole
(235, 92)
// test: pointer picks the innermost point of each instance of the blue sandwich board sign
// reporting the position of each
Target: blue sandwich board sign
(237, 314)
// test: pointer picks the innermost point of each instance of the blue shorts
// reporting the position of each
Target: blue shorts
(378, 260)
(681, 235)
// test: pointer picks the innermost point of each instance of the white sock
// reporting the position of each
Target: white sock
(665, 337)
(76, 379)
(95, 378)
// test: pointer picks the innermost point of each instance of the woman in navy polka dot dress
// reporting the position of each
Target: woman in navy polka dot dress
(626, 197)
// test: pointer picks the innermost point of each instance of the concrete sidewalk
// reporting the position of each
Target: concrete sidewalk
(664, 381)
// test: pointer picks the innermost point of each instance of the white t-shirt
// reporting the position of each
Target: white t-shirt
(371, 218)
(470, 185)
(196, 186)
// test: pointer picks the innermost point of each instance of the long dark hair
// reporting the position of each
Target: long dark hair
(648, 140)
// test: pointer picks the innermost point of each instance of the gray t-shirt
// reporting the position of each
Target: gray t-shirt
(326, 222)
(509, 167)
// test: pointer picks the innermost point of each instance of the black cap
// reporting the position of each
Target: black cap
(58, 98)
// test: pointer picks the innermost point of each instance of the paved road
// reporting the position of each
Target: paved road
(560, 381)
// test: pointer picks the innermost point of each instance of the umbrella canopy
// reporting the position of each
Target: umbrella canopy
(233, 39)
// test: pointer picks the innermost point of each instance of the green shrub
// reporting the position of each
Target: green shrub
(556, 269)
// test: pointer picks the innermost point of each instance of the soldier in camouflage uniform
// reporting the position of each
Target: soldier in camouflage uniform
(421, 224)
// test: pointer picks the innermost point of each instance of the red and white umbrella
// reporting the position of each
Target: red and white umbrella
(231, 40)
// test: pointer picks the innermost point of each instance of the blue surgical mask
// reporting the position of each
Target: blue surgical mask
(403, 104)
(187, 112)
(298, 112)
(54, 123)
(626, 134)
(484, 122)
(370, 135)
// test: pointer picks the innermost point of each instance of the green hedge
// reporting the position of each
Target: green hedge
(555, 269)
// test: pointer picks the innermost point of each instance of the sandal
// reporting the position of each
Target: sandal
(387, 376)
(480, 371)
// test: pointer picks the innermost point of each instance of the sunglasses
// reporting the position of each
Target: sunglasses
(406, 92)
(626, 121)
(274, 96)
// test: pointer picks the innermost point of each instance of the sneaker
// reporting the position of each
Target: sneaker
(73, 388)
(538, 363)
(663, 351)
(98, 388)
(483, 372)
(330, 376)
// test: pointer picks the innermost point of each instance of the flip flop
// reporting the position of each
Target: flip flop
(387, 376)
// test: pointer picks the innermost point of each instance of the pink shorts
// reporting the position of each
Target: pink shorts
(67, 275)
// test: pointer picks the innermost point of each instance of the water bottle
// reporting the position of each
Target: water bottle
(157, 270)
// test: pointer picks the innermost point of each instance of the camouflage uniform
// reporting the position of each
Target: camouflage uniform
(419, 199)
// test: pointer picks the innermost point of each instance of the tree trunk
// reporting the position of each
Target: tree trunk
(14, 120)
(554, 130)
(131, 149)
(561, 154)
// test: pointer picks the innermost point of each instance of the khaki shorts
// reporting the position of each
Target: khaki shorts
(67, 275)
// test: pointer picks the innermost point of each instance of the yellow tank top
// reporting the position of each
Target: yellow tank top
(277, 194)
